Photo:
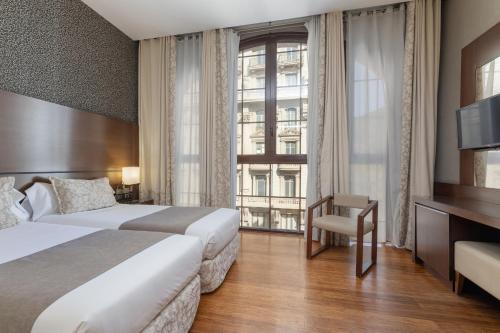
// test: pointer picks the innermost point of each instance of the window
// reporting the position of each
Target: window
(259, 148)
(291, 114)
(290, 147)
(260, 185)
(291, 79)
(260, 82)
(289, 186)
(272, 131)
(259, 116)
(291, 55)
(258, 219)
(289, 221)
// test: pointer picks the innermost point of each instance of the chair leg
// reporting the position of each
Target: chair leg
(328, 239)
(460, 279)
(374, 235)
(359, 253)
(320, 249)
(309, 237)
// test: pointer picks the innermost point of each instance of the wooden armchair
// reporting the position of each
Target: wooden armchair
(351, 226)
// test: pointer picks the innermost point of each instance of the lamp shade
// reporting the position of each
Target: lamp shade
(130, 175)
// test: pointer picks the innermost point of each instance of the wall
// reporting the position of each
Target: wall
(63, 52)
(463, 21)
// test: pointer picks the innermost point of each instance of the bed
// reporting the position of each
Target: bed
(56, 278)
(216, 227)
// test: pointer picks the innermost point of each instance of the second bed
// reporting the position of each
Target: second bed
(217, 228)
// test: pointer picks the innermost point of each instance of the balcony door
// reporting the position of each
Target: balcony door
(272, 132)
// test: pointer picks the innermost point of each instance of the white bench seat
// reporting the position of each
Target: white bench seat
(480, 263)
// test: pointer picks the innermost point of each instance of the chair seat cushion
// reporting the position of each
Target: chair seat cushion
(340, 224)
(480, 263)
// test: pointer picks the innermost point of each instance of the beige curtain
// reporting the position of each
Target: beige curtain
(316, 40)
(419, 112)
(156, 118)
(215, 132)
(335, 149)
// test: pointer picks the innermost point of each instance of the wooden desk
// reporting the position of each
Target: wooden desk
(443, 220)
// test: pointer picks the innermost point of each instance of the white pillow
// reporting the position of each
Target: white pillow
(20, 213)
(17, 196)
(42, 199)
(26, 206)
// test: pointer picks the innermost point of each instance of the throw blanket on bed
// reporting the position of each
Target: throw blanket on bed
(173, 220)
(31, 284)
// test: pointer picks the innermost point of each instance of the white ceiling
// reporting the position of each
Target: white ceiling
(141, 19)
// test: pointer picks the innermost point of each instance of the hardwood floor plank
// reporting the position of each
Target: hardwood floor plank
(273, 288)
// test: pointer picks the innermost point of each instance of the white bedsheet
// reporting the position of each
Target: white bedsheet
(123, 299)
(215, 230)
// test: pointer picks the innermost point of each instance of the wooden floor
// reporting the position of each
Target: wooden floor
(273, 288)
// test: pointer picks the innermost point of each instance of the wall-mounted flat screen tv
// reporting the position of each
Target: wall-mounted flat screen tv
(479, 124)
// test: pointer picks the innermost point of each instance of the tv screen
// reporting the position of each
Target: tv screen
(479, 124)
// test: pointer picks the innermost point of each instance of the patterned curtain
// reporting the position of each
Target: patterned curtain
(419, 112)
(215, 129)
(328, 148)
(156, 118)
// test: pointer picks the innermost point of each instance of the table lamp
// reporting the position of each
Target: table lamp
(130, 177)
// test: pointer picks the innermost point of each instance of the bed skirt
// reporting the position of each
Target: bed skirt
(213, 271)
(178, 316)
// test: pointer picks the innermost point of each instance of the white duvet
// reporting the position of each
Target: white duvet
(123, 299)
(215, 230)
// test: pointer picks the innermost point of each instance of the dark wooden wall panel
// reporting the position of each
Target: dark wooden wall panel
(40, 138)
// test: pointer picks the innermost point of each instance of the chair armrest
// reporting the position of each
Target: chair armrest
(371, 205)
(320, 202)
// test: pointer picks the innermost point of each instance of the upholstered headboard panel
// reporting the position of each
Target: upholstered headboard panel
(38, 139)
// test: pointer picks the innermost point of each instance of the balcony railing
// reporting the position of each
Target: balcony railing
(287, 59)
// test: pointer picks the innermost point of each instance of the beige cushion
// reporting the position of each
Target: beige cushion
(7, 217)
(350, 200)
(340, 224)
(480, 263)
(78, 195)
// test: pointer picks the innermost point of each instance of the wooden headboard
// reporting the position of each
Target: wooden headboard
(39, 139)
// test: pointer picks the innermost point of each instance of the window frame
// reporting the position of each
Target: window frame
(270, 103)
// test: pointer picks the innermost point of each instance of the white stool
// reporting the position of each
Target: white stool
(480, 263)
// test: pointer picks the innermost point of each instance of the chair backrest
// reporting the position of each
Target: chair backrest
(350, 200)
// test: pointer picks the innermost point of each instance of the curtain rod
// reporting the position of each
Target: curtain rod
(272, 25)
(373, 10)
(291, 23)
(270, 28)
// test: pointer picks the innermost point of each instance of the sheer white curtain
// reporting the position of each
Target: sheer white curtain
(375, 54)
(187, 122)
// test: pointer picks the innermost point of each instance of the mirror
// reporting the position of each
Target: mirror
(487, 162)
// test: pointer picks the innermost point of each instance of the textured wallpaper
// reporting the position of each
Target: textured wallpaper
(63, 52)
